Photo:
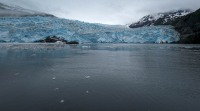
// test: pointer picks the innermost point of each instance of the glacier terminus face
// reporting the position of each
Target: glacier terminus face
(31, 29)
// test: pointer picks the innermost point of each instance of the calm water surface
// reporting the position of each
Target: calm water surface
(99, 77)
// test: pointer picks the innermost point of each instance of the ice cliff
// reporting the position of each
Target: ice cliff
(33, 28)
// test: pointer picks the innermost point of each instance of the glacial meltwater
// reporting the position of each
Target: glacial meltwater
(99, 77)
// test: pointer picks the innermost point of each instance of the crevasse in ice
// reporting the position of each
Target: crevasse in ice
(31, 29)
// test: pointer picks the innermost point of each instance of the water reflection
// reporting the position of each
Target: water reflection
(96, 77)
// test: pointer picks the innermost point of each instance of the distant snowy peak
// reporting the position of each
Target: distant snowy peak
(167, 15)
(16, 11)
(160, 18)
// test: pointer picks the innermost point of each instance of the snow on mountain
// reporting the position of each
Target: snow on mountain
(16, 11)
(160, 18)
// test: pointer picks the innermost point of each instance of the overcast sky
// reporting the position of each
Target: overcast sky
(104, 11)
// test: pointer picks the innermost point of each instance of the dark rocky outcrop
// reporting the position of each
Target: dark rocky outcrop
(189, 28)
(54, 39)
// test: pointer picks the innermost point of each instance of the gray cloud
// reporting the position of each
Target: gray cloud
(104, 11)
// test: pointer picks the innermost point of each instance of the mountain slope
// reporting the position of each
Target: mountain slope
(160, 18)
(189, 27)
(16, 11)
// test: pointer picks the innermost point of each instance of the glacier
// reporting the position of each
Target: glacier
(33, 28)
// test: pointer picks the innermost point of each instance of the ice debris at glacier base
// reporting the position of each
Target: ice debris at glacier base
(31, 29)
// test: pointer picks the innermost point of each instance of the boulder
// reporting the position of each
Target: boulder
(54, 39)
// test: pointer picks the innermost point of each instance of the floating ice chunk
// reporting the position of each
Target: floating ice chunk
(54, 78)
(86, 47)
(16, 74)
(56, 89)
(59, 42)
(62, 101)
(87, 77)
(33, 55)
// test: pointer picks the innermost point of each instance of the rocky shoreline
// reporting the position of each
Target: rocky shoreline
(54, 39)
